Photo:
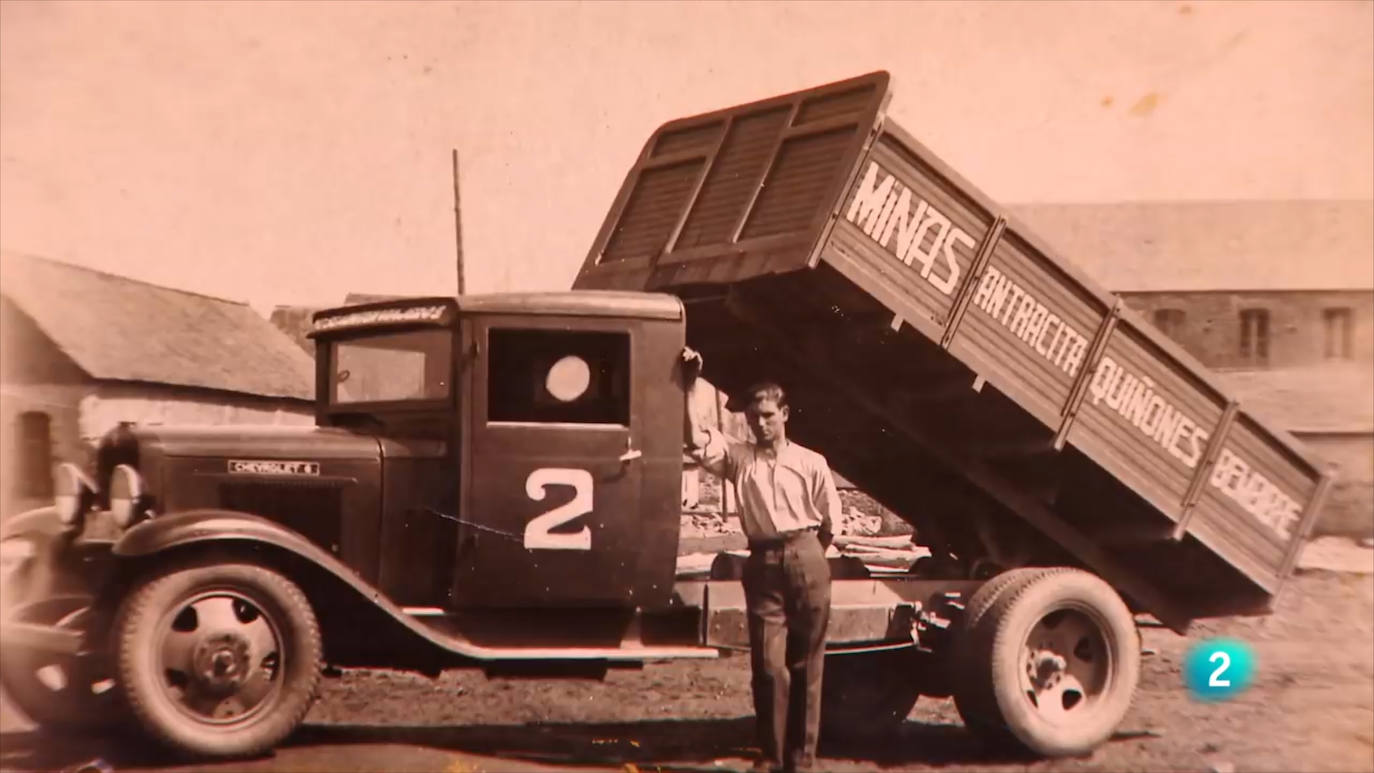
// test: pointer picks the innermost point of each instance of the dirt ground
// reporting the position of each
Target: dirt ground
(1311, 709)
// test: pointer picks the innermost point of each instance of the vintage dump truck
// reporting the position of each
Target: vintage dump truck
(494, 480)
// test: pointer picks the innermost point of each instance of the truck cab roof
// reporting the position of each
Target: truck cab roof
(441, 310)
(590, 303)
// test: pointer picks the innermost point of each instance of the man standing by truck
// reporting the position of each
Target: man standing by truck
(788, 505)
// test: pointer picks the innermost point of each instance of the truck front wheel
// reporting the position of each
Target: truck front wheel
(58, 691)
(218, 659)
(1063, 661)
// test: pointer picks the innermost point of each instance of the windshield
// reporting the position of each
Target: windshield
(414, 365)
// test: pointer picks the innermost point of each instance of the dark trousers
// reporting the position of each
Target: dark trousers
(787, 592)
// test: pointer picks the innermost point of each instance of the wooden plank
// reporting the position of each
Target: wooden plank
(706, 168)
(793, 129)
(975, 275)
(763, 175)
(938, 389)
(1204, 468)
(1080, 387)
(844, 540)
(1309, 518)
(1117, 534)
(860, 162)
(1001, 448)
(676, 157)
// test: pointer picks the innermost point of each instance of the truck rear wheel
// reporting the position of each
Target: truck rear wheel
(867, 695)
(218, 659)
(982, 599)
(1062, 662)
(972, 679)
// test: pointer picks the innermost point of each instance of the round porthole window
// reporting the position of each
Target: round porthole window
(569, 378)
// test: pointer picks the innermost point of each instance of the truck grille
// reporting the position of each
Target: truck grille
(312, 509)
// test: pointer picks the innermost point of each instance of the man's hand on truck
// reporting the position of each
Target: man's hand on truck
(691, 366)
(697, 435)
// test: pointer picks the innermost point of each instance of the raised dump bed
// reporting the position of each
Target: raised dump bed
(952, 364)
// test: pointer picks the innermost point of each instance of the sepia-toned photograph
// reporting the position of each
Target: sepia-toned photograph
(663, 386)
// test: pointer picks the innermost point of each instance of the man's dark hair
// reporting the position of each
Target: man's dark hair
(765, 390)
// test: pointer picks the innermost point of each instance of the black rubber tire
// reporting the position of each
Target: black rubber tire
(973, 642)
(982, 599)
(867, 696)
(136, 631)
(74, 704)
(71, 706)
(1004, 713)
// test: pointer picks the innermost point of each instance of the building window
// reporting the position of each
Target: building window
(35, 455)
(1337, 323)
(1170, 322)
(1254, 335)
(558, 377)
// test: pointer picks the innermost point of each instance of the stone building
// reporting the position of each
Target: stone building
(1240, 285)
(82, 351)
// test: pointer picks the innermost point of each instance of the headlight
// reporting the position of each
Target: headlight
(127, 495)
(73, 493)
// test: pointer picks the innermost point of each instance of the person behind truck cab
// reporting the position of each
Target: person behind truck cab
(788, 505)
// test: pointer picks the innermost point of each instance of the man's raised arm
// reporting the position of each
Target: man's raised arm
(704, 444)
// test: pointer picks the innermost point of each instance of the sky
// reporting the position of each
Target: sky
(290, 153)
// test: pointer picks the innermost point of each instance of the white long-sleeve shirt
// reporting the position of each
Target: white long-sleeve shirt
(780, 491)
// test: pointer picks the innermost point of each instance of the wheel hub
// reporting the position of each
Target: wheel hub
(220, 662)
(1065, 669)
(1045, 668)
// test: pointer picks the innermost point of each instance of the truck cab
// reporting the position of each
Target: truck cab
(530, 443)
(493, 482)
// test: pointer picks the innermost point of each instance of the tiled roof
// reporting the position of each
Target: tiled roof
(1327, 398)
(1206, 245)
(122, 329)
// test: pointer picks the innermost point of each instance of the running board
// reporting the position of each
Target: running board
(453, 631)
(706, 617)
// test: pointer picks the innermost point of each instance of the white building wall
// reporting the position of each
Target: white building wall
(79, 414)
(106, 405)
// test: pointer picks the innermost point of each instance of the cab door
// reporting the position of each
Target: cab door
(551, 510)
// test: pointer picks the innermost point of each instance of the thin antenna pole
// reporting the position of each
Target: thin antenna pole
(458, 223)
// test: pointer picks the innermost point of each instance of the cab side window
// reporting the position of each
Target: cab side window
(558, 376)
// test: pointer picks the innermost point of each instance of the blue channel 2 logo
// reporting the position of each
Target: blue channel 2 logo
(1218, 669)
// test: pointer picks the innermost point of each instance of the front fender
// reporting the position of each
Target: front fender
(201, 526)
(211, 527)
(205, 527)
(41, 521)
